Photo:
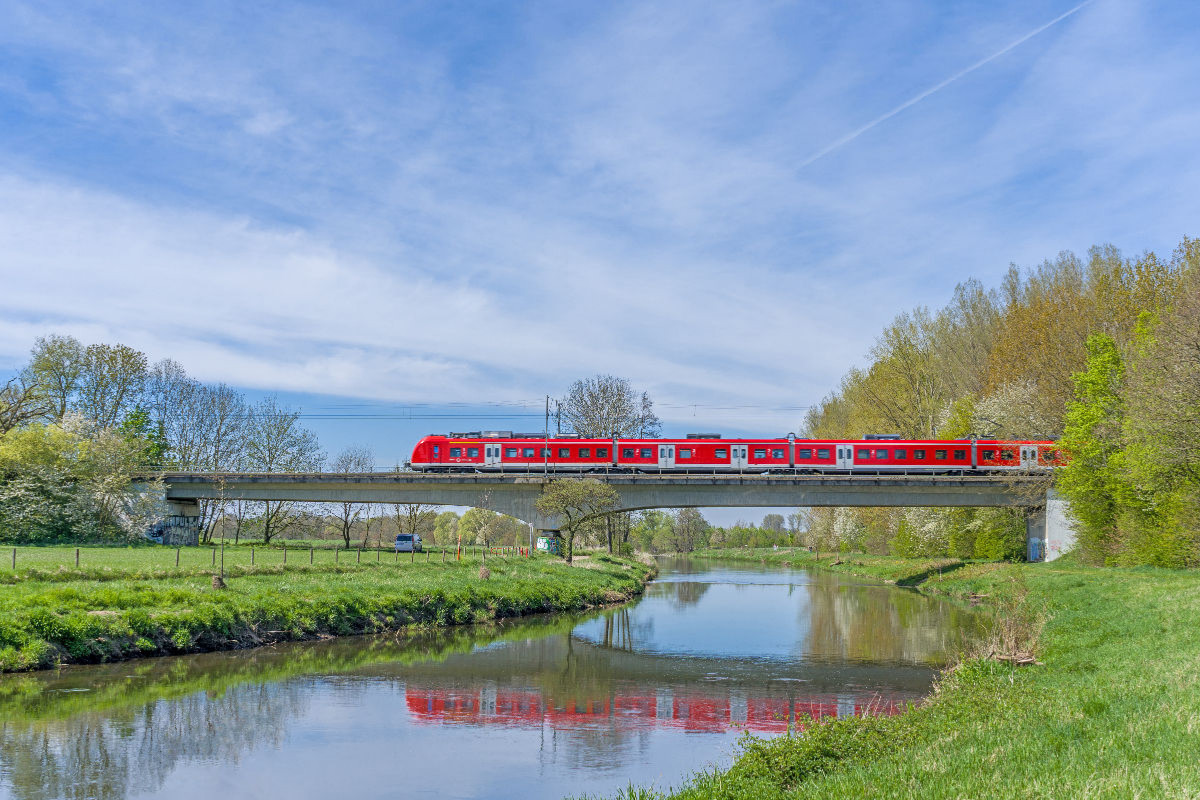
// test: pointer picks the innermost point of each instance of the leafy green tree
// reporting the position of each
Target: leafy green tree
(1092, 479)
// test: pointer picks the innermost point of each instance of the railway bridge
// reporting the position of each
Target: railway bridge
(1048, 532)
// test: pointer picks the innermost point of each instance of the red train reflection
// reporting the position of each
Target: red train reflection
(691, 711)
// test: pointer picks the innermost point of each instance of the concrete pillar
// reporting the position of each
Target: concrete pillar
(1035, 534)
(181, 525)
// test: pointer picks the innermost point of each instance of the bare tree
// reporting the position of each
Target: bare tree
(277, 442)
(604, 405)
(577, 504)
(21, 401)
(354, 458)
(57, 363)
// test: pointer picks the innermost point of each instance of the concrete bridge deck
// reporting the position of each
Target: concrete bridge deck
(516, 493)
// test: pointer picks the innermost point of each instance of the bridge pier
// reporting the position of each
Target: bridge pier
(181, 525)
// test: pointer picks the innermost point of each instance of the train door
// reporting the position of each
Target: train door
(1029, 456)
(737, 456)
(491, 455)
(845, 456)
(666, 456)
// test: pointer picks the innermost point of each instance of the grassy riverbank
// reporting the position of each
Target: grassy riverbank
(1112, 710)
(117, 611)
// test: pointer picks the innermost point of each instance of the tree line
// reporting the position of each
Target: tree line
(1098, 352)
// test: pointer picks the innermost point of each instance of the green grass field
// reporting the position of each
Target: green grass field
(123, 603)
(1112, 710)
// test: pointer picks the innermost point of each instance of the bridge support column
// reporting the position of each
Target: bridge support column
(181, 525)
(1048, 529)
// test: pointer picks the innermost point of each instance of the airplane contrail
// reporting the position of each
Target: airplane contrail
(849, 137)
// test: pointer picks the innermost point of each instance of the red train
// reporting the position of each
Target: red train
(707, 452)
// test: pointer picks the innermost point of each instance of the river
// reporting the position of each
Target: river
(542, 708)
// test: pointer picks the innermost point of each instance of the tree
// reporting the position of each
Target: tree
(576, 503)
(57, 363)
(1091, 478)
(277, 442)
(689, 529)
(22, 401)
(604, 406)
(773, 523)
(111, 382)
(352, 459)
(445, 529)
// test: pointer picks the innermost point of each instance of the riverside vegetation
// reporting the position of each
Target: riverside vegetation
(144, 607)
(1110, 709)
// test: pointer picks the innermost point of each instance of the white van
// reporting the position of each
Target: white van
(408, 543)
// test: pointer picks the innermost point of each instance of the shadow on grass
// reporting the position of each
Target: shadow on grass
(916, 579)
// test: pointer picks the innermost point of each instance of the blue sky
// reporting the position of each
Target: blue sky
(373, 205)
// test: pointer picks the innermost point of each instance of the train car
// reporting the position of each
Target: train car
(500, 451)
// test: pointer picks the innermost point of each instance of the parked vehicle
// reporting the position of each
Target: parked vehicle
(408, 543)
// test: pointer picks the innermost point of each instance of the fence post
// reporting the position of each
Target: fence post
(177, 549)
(77, 558)
(378, 553)
(443, 555)
(360, 555)
(336, 553)
(285, 555)
(14, 558)
(310, 554)
(252, 556)
(413, 559)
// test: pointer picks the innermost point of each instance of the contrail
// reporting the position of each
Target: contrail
(849, 137)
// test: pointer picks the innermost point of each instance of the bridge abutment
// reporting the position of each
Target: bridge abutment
(1048, 529)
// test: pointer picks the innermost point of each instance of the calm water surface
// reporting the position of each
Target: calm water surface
(647, 693)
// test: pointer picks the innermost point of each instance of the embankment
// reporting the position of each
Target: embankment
(1111, 709)
(108, 615)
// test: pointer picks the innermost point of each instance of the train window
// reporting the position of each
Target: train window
(545, 452)
(1051, 455)
(864, 454)
(777, 453)
(527, 452)
(685, 453)
(804, 453)
(987, 455)
(881, 454)
(564, 452)
(901, 455)
(585, 452)
(435, 451)
(626, 452)
(510, 452)
(472, 452)
(1007, 455)
(646, 452)
(720, 452)
(940, 455)
(821, 452)
(760, 453)
(456, 452)
(960, 454)
(919, 455)
(601, 452)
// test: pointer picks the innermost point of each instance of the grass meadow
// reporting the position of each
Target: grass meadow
(128, 602)
(1110, 709)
